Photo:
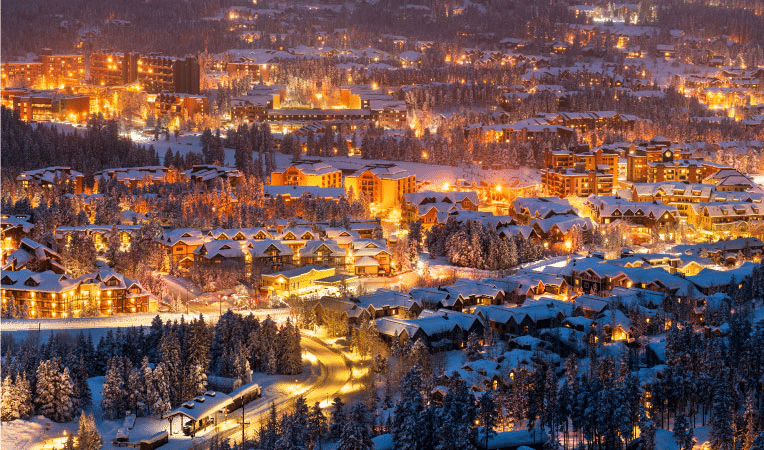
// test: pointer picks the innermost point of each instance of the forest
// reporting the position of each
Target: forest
(148, 372)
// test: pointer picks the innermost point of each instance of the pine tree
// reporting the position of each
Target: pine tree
(24, 396)
(751, 418)
(170, 354)
(683, 434)
(88, 437)
(8, 400)
(162, 404)
(408, 411)
(455, 418)
(150, 394)
(113, 394)
(722, 431)
(317, 424)
(338, 418)
(54, 391)
(487, 416)
(758, 443)
(81, 382)
(356, 434)
(136, 388)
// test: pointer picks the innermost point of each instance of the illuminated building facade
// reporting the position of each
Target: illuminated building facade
(308, 173)
(156, 73)
(577, 181)
(383, 184)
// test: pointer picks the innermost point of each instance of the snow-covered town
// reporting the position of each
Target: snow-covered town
(382, 224)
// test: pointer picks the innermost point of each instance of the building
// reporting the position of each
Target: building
(52, 176)
(383, 184)
(578, 181)
(300, 281)
(181, 106)
(156, 73)
(210, 174)
(45, 105)
(63, 70)
(648, 217)
(135, 177)
(51, 295)
(309, 172)
(20, 74)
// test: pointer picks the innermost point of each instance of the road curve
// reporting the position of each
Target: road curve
(333, 376)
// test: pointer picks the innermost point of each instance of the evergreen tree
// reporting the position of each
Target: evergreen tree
(113, 395)
(356, 434)
(455, 419)
(408, 411)
(722, 432)
(683, 434)
(487, 416)
(162, 404)
(9, 400)
(338, 418)
(317, 424)
(54, 391)
(88, 437)
(758, 443)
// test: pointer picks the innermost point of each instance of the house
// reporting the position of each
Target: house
(179, 245)
(435, 299)
(348, 311)
(526, 319)
(527, 209)
(299, 281)
(12, 230)
(326, 252)
(35, 256)
(50, 295)
(219, 250)
(387, 303)
(473, 293)
(269, 253)
(53, 176)
(710, 281)
(561, 228)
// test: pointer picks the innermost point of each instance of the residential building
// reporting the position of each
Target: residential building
(578, 181)
(51, 176)
(298, 281)
(308, 172)
(383, 184)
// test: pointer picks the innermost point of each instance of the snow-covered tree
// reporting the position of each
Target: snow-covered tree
(113, 395)
(161, 404)
(456, 417)
(338, 418)
(722, 432)
(487, 415)
(683, 434)
(54, 391)
(317, 424)
(406, 430)
(356, 434)
(88, 437)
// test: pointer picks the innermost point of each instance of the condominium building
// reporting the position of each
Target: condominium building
(156, 73)
(383, 184)
(309, 172)
(578, 181)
